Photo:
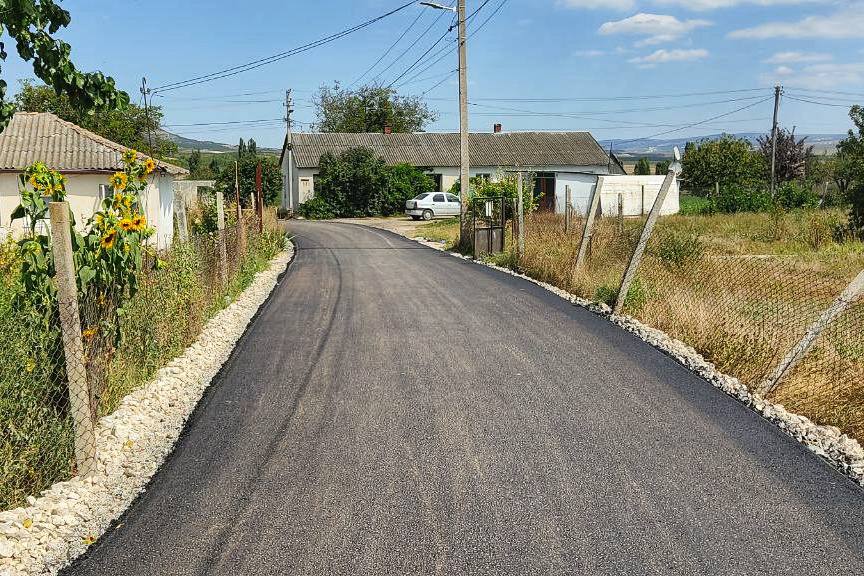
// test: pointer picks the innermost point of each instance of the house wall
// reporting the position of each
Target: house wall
(638, 194)
(82, 193)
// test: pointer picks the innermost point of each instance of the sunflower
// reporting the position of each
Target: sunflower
(139, 222)
(109, 239)
(33, 181)
(98, 219)
(130, 156)
(119, 181)
(149, 165)
(126, 225)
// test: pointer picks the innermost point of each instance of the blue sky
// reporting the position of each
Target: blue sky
(604, 52)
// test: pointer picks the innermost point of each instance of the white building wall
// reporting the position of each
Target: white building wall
(82, 193)
(638, 193)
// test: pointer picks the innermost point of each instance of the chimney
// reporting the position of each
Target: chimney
(497, 128)
(388, 129)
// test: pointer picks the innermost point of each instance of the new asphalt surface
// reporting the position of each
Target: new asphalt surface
(395, 410)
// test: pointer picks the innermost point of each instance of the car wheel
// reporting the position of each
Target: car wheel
(428, 215)
(415, 217)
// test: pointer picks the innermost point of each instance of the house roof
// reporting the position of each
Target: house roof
(428, 149)
(62, 146)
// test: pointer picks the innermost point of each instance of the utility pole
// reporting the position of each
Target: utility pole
(465, 161)
(288, 189)
(145, 92)
(778, 90)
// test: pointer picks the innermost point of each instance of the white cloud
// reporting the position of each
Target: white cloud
(846, 23)
(704, 5)
(590, 53)
(818, 76)
(664, 56)
(658, 28)
(620, 5)
(798, 57)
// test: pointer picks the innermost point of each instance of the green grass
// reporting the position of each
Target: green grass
(692, 205)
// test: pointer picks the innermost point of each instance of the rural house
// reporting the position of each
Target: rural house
(558, 160)
(86, 160)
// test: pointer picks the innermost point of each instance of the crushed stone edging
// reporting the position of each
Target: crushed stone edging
(133, 442)
(840, 450)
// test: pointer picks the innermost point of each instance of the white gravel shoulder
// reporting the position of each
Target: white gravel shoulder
(133, 442)
(840, 450)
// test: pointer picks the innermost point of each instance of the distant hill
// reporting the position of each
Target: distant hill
(189, 144)
(655, 148)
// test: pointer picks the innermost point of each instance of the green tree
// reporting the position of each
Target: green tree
(271, 179)
(643, 167)
(214, 168)
(194, 164)
(403, 183)
(131, 126)
(370, 109)
(727, 161)
(661, 168)
(850, 164)
(33, 24)
(252, 148)
(241, 148)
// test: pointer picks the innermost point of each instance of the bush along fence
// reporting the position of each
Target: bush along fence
(88, 316)
(790, 327)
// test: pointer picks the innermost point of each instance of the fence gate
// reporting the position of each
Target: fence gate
(489, 218)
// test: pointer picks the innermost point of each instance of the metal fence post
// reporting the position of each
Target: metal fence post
(797, 353)
(636, 258)
(220, 238)
(521, 213)
(593, 208)
(73, 346)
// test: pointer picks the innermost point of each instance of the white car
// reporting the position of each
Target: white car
(433, 205)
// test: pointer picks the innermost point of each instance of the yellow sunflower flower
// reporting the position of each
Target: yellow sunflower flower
(127, 225)
(130, 156)
(119, 181)
(149, 165)
(108, 240)
(139, 222)
(33, 182)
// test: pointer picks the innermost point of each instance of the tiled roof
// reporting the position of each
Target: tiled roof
(61, 145)
(429, 149)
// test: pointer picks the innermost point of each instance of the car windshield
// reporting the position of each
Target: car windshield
(422, 197)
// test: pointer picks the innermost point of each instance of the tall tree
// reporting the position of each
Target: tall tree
(850, 163)
(727, 161)
(252, 147)
(643, 167)
(271, 181)
(370, 109)
(214, 168)
(241, 149)
(791, 155)
(194, 162)
(661, 168)
(32, 24)
(130, 126)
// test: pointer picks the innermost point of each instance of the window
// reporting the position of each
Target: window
(105, 191)
(486, 177)
(422, 196)
(452, 198)
(439, 198)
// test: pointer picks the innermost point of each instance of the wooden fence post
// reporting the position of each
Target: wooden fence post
(588, 231)
(73, 346)
(797, 353)
(521, 213)
(220, 239)
(636, 258)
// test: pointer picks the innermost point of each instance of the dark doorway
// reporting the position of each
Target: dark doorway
(544, 190)
(437, 179)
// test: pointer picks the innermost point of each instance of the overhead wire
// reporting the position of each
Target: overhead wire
(390, 49)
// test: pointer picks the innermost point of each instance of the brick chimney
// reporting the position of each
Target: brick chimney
(497, 128)
(388, 129)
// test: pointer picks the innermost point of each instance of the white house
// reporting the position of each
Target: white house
(87, 160)
(558, 159)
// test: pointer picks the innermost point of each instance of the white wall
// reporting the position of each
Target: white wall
(638, 194)
(82, 193)
(581, 188)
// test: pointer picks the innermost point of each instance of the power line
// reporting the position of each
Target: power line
(606, 98)
(390, 49)
(223, 123)
(818, 103)
(276, 57)
(410, 46)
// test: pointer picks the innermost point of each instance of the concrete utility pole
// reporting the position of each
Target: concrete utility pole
(145, 92)
(288, 188)
(465, 161)
(778, 90)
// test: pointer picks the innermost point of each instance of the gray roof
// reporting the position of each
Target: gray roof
(62, 146)
(431, 149)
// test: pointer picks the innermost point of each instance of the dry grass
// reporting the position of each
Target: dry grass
(741, 289)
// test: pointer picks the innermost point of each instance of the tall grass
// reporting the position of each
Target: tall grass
(175, 299)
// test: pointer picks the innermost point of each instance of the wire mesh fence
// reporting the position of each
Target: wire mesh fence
(743, 312)
(123, 341)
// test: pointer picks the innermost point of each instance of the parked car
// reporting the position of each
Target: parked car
(433, 205)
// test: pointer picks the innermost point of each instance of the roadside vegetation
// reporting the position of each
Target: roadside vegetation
(139, 309)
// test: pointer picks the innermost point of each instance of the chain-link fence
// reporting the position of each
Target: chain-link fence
(744, 312)
(48, 398)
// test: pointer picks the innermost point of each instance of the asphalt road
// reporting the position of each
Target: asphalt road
(395, 410)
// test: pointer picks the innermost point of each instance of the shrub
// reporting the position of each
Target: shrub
(676, 249)
(793, 194)
(856, 212)
(403, 183)
(741, 198)
(316, 209)
(637, 295)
